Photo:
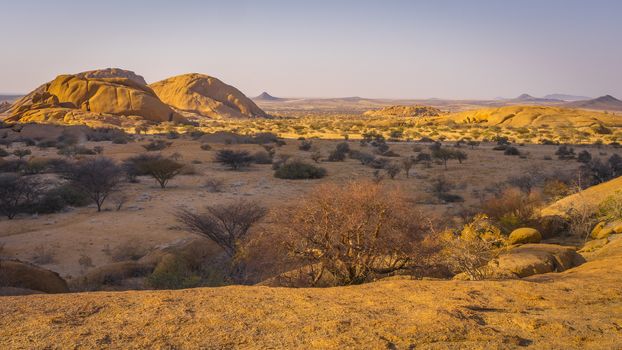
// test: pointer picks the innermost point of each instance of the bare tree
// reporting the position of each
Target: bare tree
(392, 169)
(407, 164)
(98, 178)
(21, 153)
(226, 225)
(17, 194)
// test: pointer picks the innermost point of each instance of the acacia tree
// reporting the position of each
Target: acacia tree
(443, 154)
(161, 169)
(98, 178)
(354, 232)
(235, 160)
(17, 193)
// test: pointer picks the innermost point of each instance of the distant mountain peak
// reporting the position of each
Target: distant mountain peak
(606, 102)
(525, 97)
(266, 97)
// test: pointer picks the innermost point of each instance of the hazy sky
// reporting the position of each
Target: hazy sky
(390, 48)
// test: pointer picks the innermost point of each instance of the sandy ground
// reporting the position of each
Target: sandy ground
(147, 219)
(580, 308)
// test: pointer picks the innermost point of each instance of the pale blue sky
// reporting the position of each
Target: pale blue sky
(392, 49)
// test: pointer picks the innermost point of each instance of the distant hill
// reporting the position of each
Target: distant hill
(267, 97)
(531, 99)
(4, 106)
(565, 97)
(607, 103)
(10, 98)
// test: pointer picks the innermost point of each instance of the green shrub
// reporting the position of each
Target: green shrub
(298, 170)
(262, 157)
(173, 272)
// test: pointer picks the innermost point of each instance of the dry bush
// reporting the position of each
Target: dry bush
(130, 250)
(42, 255)
(611, 208)
(214, 185)
(512, 208)
(469, 250)
(227, 225)
(355, 233)
(18, 194)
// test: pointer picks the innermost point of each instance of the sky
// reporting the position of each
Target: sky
(459, 49)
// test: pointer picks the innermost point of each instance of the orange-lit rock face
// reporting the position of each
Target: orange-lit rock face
(90, 97)
(206, 96)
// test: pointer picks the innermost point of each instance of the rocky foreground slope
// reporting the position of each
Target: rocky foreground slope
(578, 308)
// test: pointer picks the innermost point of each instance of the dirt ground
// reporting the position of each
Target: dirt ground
(147, 218)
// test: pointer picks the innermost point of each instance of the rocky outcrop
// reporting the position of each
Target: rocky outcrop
(113, 73)
(95, 94)
(206, 96)
(22, 275)
(534, 259)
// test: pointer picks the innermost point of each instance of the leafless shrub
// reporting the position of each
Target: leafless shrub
(214, 185)
(42, 255)
(226, 225)
(85, 261)
(130, 250)
(355, 232)
(469, 250)
(119, 201)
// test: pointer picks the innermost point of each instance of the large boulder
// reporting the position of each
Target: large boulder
(91, 95)
(525, 235)
(533, 259)
(206, 96)
(22, 275)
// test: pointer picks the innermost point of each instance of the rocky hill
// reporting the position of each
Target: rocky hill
(114, 96)
(264, 96)
(606, 103)
(206, 96)
(405, 111)
(91, 96)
